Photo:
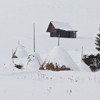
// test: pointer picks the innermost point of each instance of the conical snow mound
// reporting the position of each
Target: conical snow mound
(20, 51)
(59, 59)
(34, 61)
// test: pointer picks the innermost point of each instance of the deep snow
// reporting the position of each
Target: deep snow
(47, 85)
(16, 24)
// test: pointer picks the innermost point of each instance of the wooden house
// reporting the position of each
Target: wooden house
(60, 29)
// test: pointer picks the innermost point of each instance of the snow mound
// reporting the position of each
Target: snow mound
(34, 61)
(60, 58)
(20, 51)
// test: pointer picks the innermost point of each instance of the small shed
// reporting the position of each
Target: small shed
(61, 29)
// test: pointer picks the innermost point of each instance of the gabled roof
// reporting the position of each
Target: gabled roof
(62, 25)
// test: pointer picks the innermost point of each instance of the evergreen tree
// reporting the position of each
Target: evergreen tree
(94, 60)
(98, 41)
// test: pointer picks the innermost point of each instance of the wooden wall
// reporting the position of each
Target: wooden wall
(64, 34)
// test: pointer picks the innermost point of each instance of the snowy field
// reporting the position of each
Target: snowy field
(47, 85)
(16, 24)
(29, 84)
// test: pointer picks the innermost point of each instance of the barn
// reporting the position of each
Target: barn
(61, 29)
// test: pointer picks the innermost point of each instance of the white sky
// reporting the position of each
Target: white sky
(17, 16)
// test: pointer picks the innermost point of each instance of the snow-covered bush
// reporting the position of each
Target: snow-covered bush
(34, 61)
(93, 61)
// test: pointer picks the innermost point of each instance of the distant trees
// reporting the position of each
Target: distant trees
(94, 60)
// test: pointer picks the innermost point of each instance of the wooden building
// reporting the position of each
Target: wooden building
(60, 29)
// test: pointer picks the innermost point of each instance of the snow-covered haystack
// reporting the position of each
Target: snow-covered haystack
(21, 59)
(34, 61)
(58, 60)
(19, 52)
(19, 56)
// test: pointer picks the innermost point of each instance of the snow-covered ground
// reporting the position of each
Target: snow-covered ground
(16, 24)
(47, 85)
(29, 84)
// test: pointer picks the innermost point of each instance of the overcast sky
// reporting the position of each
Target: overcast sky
(17, 16)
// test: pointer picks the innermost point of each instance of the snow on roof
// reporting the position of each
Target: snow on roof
(62, 25)
(60, 57)
(20, 51)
